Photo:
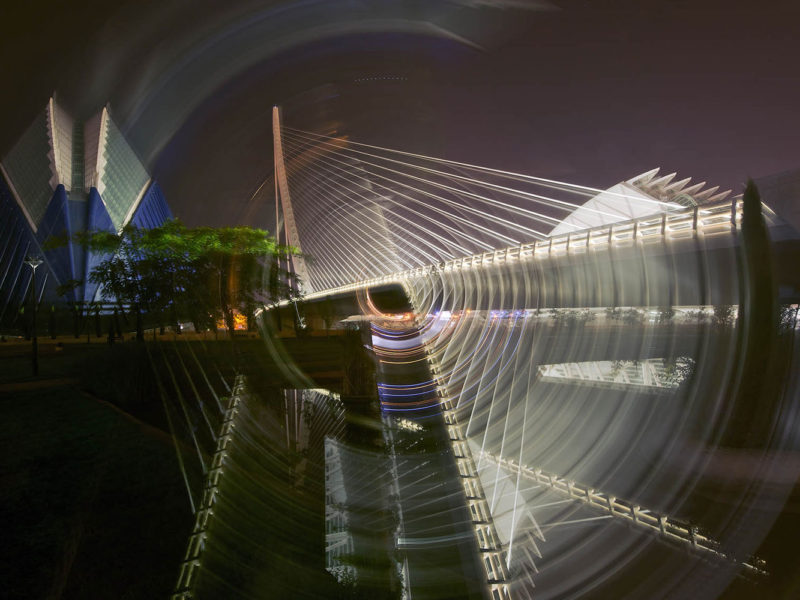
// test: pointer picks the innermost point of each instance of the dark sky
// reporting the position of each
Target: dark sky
(588, 92)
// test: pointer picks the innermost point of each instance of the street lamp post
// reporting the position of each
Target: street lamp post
(33, 262)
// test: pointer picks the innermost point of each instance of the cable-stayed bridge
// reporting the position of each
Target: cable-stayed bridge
(576, 345)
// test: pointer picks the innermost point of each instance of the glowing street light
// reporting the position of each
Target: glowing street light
(33, 262)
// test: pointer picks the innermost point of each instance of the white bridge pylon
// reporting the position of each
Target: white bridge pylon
(282, 196)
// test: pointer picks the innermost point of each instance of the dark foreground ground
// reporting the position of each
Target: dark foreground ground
(92, 497)
(93, 500)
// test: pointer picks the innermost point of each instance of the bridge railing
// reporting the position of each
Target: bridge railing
(708, 219)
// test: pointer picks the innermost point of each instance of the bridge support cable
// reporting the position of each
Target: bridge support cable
(665, 182)
(456, 231)
(412, 221)
(584, 191)
(350, 237)
(185, 411)
(514, 210)
(460, 213)
(461, 207)
(178, 453)
(320, 189)
(710, 220)
(335, 170)
(197, 395)
(354, 195)
(205, 377)
(455, 177)
(337, 239)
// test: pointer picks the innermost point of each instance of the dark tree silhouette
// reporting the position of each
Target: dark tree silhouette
(758, 319)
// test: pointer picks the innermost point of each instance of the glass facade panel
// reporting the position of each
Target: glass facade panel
(28, 167)
(123, 177)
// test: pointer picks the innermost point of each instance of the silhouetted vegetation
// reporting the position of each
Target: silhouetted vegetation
(173, 273)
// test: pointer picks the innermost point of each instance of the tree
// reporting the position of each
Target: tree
(723, 315)
(66, 290)
(665, 314)
(788, 318)
(633, 316)
(200, 274)
(128, 273)
(678, 370)
(757, 397)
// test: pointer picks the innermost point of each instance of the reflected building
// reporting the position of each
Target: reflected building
(576, 376)
(338, 538)
(650, 375)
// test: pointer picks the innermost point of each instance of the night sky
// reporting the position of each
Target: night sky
(587, 92)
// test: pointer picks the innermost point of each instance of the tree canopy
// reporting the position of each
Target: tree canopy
(200, 274)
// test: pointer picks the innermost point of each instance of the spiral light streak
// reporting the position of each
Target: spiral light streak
(603, 355)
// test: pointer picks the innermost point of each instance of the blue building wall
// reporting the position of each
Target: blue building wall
(97, 219)
(63, 217)
(152, 210)
(16, 242)
(56, 223)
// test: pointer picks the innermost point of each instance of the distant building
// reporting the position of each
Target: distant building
(63, 176)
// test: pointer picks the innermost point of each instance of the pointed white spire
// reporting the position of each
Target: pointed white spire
(59, 130)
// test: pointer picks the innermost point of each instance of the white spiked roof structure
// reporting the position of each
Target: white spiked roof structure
(640, 196)
(59, 130)
(58, 150)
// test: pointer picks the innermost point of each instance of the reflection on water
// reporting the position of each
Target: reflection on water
(534, 429)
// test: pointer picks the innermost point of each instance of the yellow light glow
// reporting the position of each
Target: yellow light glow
(239, 322)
